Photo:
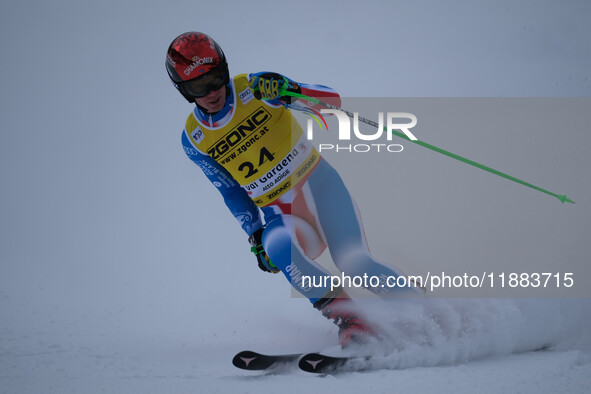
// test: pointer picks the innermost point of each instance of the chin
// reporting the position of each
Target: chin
(217, 108)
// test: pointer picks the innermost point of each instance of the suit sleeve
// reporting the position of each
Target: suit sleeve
(237, 200)
(320, 92)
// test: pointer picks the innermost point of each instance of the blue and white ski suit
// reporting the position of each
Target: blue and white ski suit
(305, 205)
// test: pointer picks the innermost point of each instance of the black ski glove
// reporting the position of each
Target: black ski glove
(257, 248)
(271, 86)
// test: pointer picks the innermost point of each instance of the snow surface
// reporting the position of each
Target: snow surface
(121, 272)
(445, 346)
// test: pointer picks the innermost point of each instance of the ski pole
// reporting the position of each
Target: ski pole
(563, 198)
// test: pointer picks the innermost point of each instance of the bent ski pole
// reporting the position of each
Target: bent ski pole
(563, 198)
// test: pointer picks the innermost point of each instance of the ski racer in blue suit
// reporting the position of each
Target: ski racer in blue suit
(243, 136)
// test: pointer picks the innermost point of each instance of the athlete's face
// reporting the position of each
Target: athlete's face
(214, 101)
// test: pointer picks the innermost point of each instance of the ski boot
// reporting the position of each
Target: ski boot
(353, 329)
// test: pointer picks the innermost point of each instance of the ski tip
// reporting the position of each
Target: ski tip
(319, 363)
(244, 359)
(254, 361)
(311, 362)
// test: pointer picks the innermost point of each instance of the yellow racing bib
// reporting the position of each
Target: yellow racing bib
(261, 145)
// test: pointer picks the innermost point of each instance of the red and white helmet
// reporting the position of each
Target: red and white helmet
(196, 65)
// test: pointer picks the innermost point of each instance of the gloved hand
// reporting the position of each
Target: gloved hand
(271, 86)
(257, 248)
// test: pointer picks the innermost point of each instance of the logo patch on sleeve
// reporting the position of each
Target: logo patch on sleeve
(197, 135)
(245, 96)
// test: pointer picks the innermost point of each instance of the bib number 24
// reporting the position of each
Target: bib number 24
(250, 168)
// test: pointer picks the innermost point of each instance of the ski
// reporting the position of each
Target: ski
(254, 361)
(308, 362)
(320, 363)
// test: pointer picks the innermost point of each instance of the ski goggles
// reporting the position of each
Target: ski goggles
(201, 86)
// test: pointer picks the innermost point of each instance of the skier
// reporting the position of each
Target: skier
(243, 136)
